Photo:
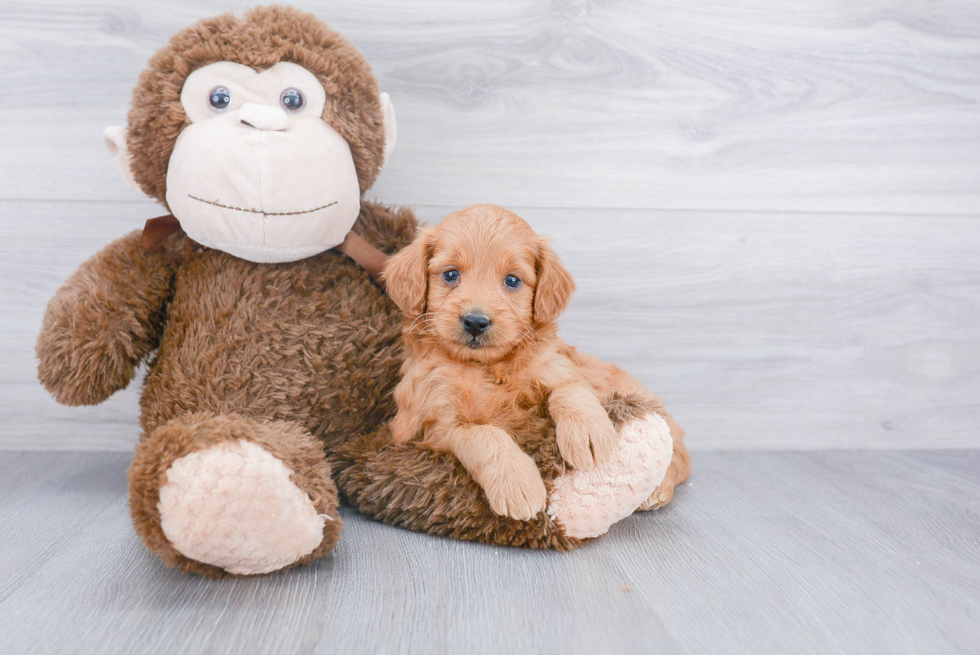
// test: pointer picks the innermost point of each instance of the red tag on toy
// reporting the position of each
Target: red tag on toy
(157, 229)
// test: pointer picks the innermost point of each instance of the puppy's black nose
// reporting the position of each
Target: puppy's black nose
(475, 324)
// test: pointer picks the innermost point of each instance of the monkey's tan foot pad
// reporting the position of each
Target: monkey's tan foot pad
(234, 506)
(586, 503)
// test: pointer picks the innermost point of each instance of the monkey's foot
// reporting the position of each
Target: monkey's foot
(586, 503)
(226, 494)
(233, 506)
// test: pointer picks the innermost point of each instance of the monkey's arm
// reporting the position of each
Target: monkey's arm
(387, 228)
(105, 319)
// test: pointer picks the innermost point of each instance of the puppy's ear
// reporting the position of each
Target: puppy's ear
(555, 285)
(406, 275)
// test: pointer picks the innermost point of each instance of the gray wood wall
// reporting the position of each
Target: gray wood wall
(772, 207)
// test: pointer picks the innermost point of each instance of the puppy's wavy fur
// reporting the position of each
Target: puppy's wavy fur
(468, 393)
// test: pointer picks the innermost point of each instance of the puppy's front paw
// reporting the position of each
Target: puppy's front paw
(586, 438)
(518, 490)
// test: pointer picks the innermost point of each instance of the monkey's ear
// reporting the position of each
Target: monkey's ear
(391, 126)
(406, 275)
(115, 141)
(555, 285)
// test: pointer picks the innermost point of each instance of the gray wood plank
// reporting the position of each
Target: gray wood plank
(43, 491)
(802, 105)
(759, 331)
(764, 552)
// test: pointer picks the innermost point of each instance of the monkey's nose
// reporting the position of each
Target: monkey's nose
(263, 117)
(475, 324)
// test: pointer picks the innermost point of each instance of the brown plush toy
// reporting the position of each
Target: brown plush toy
(272, 355)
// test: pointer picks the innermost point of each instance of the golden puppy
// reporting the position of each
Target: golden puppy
(482, 292)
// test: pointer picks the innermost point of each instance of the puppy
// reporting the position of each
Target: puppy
(482, 292)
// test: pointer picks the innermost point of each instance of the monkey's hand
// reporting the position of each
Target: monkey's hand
(104, 320)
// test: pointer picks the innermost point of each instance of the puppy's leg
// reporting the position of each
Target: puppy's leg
(586, 437)
(509, 477)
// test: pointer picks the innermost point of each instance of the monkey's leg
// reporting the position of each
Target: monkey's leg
(428, 491)
(587, 502)
(224, 494)
(680, 461)
(677, 474)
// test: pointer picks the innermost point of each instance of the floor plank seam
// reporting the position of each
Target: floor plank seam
(625, 208)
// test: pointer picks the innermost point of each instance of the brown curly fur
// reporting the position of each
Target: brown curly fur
(313, 341)
(97, 329)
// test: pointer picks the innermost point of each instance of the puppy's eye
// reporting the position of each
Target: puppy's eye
(451, 276)
(219, 98)
(512, 282)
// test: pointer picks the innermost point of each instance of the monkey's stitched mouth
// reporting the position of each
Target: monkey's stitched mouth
(259, 211)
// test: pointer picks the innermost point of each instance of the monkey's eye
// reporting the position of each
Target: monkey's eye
(219, 99)
(512, 282)
(451, 276)
(292, 100)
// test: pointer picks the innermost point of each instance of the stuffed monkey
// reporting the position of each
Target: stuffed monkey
(271, 354)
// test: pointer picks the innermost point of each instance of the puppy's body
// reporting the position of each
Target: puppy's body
(482, 355)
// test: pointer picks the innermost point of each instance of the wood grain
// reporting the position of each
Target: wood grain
(759, 331)
(800, 105)
(845, 552)
(849, 321)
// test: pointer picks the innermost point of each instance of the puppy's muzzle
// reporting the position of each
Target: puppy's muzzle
(475, 323)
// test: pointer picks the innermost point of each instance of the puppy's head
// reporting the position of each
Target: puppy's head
(479, 283)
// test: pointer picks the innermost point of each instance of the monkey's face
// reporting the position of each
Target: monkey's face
(258, 173)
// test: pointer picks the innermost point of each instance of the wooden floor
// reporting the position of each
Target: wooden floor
(762, 552)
